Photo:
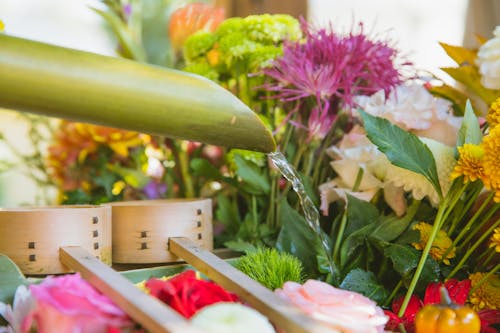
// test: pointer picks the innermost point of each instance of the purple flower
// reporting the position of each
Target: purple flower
(155, 189)
(331, 69)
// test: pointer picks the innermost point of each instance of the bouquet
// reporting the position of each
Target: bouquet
(404, 168)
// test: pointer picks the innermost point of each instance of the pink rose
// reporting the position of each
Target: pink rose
(71, 304)
(344, 310)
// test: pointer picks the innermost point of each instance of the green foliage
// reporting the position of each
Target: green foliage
(402, 148)
(11, 278)
(366, 284)
(270, 267)
(296, 238)
(469, 132)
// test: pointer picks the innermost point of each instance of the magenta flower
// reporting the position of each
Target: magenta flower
(331, 69)
(70, 304)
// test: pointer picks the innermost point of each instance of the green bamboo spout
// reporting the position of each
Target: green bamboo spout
(81, 86)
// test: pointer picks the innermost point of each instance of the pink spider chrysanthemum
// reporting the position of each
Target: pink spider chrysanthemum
(332, 69)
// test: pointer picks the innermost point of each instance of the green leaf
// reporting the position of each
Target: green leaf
(130, 48)
(469, 132)
(404, 258)
(392, 227)
(201, 167)
(349, 247)
(227, 213)
(366, 284)
(360, 213)
(10, 278)
(241, 246)
(430, 273)
(297, 238)
(402, 148)
(253, 176)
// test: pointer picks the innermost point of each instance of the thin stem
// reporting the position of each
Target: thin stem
(340, 234)
(425, 253)
(473, 248)
(394, 292)
(186, 175)
(469, 202)
(486, 257)
(478, 226)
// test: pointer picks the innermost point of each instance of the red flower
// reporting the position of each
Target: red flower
(458, 291)
(187, 294)
(488, 318)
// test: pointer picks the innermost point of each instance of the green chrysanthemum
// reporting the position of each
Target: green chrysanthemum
(271, 268)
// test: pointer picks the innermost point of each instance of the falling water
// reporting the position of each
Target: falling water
(311, 214)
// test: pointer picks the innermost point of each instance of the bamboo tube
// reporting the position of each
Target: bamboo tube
(81, 86)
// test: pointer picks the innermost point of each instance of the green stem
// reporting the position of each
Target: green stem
(473, 248)
(425, 253)
(340, 234)
(469, 224)
(395, 291)
(271, 222)
(486, 257)
(478, 226)
(183, 160)
(469, 202)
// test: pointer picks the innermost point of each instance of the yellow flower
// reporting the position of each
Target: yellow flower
(491, 160)
(486, 295)
(2, 26)
(493, 116)
(440, 245)
(495, 239)
(470, 163)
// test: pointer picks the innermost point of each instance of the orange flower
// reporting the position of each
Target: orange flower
(191, 18)
(491, 160)
(470, 164)
(74, 142)
(493, 116)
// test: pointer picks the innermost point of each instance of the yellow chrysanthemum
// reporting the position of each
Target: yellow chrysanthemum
(440, 245)
(491, 160)
(470, 163)
(493, 116)
(495, 240)
(2, 26)
(486, 295)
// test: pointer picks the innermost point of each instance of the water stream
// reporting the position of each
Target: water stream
(311, 213)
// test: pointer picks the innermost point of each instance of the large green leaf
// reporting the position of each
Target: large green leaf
(297, 238)
(360, 213)
(402, 148)
(404, 258)
(252, 175)
(469, 132)
(366, 284)
(10, 278)
(350, 245)
(391, 227)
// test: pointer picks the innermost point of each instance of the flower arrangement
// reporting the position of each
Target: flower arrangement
(405, 169)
